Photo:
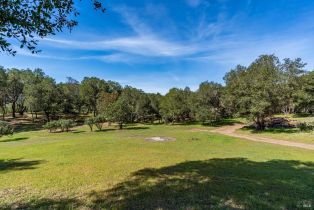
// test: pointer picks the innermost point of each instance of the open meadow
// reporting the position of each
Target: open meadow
(119, 169)
(157, 105)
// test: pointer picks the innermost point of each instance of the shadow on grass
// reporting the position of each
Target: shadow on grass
(219, 123)
(273, 130)
(27, 126)
(187, 123)
(124, 128)
(77, 132)
(136, 128)
(48, 203)
(105, 130)
(303, 115)
(18, 164)
(232, 183)
(225, 122)
(14, 139)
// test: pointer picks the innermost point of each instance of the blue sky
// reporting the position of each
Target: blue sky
(158, 44)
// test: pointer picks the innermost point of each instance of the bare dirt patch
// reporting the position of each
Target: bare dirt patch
(159, 139)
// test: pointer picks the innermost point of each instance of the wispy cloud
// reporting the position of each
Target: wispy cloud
(139, 45)
(145, 42)
(217, 39)
(245, 51)
(24, 52)
(132, 20)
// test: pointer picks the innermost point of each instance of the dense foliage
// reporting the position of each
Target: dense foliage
(5, 128)
(266, 87)
(63, 125)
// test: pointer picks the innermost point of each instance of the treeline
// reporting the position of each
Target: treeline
(267, 86)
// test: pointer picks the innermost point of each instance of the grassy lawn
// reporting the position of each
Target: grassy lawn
(289, 134)
(116, 169)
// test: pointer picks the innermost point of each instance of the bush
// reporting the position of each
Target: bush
(52, 126)
(5, 128)
(99, 121)
(90, 122)
(305, 127)
(65, 125)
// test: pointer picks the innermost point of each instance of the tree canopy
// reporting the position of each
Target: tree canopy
(266, 87)
(22, 22)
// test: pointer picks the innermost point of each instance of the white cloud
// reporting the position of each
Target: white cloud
(210, 43)
(24, 52)
(132, 20)
(245, 51)
(145, 42)
(144, 46)
(223, 50)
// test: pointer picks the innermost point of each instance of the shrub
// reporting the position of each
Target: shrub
(305, 127)
(90, 122)
(5, 128)
(99, 121)
(65, 125)
(52, 126)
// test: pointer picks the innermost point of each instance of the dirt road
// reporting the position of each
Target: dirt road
(230, 131)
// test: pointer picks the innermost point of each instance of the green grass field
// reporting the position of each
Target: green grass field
(116, 169)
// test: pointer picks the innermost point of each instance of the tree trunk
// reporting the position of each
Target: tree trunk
(13, 109)
(120, 126)
(95, 109)
(21, 112)
(47, 116)
(95, 105)
(260, 124)
(3, 112)
(94, 112)
(36, 117)
(32, 116)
